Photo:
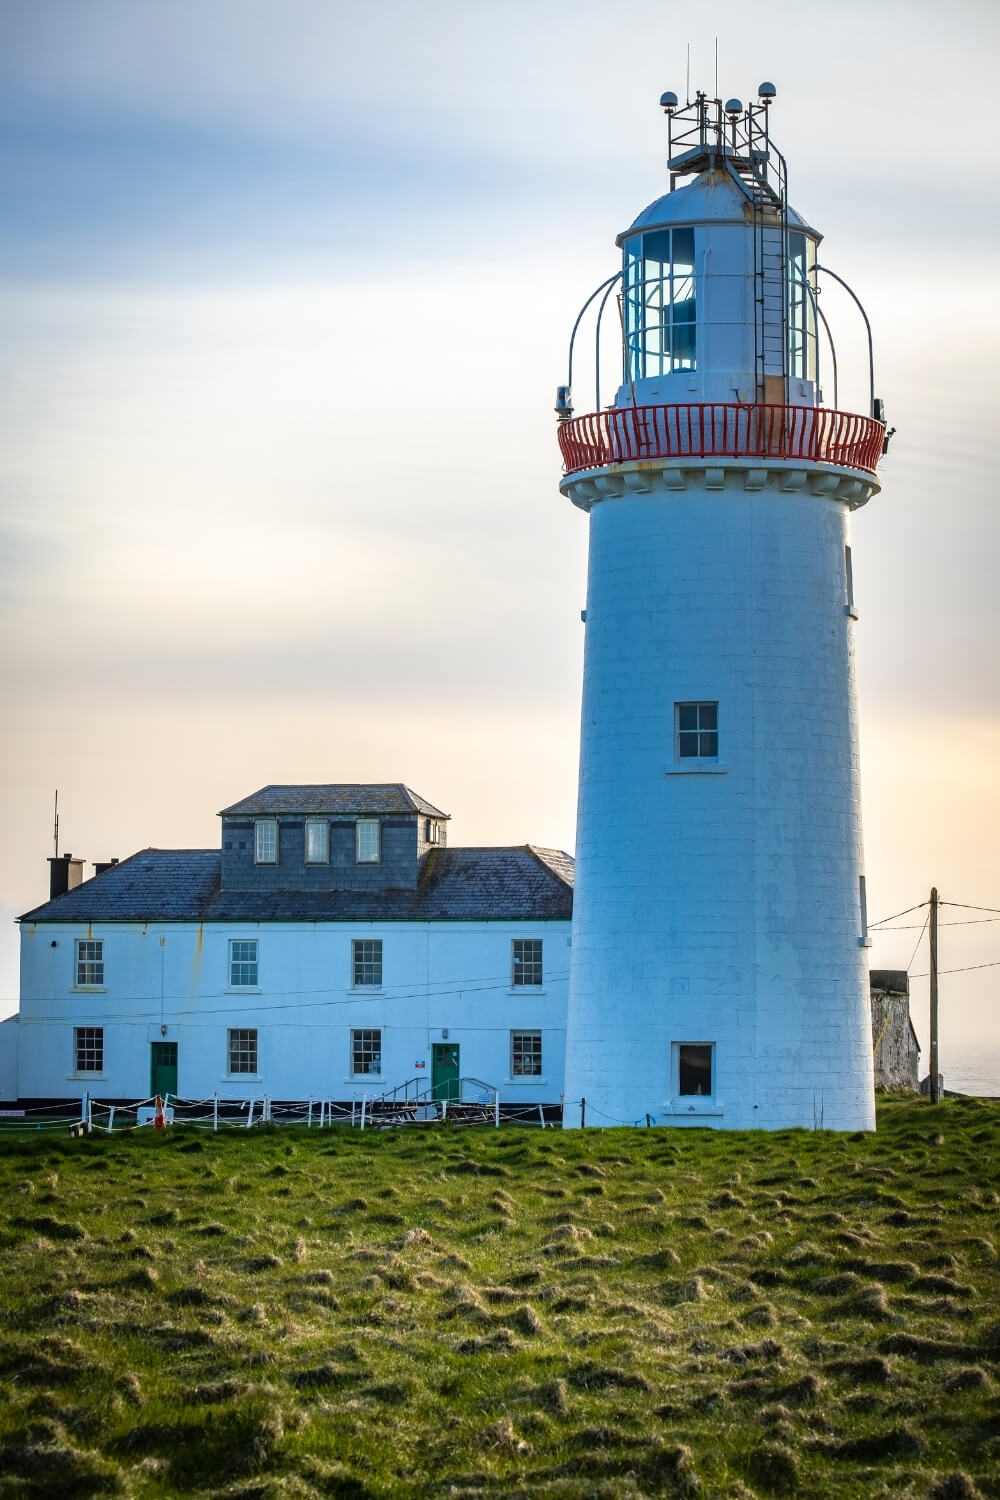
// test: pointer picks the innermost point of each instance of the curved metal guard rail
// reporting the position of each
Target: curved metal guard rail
(721, 430)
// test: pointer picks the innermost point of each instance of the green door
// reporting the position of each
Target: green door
(444, 1070)
(163, 1069)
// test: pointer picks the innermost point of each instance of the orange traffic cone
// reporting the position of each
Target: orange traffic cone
(159, 1120)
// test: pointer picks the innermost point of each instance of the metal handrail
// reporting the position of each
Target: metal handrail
(813, 434)
(423, 1093)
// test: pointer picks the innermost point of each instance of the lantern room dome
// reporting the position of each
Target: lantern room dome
(712, 198)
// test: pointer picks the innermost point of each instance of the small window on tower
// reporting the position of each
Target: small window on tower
(697, 731)
(694, 1070)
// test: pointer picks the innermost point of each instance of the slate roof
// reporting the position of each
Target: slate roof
(388, 797)
(182, 885)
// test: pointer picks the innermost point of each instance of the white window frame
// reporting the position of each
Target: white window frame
(364, 1047)
(88, 963)
(519, 1055)
(433, 831)
(368, 841)
(265, 841)
(520, 963)
(323, 827)
(88, 1042)
(362, 962)
(242, 1043)
(244, 962)
(710, 758)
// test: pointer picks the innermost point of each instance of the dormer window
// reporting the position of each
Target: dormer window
(317, 842)
(266, 841)
(367, 843)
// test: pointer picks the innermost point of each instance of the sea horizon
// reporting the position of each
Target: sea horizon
(968, 1069)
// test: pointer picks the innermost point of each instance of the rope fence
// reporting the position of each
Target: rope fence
(216, 1113)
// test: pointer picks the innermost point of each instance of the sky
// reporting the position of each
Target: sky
(286, 290)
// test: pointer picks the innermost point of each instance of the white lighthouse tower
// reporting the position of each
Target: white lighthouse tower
(719, 970)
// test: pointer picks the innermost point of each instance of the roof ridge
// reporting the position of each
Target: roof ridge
(539, 851)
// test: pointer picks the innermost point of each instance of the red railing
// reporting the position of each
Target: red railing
(721, 430)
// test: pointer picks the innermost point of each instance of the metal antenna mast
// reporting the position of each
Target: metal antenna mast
(55, 826)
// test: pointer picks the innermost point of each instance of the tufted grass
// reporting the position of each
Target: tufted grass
(479, 1313)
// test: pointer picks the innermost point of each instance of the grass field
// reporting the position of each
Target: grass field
(470, 1312)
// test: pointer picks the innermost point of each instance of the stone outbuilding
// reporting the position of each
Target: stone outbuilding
(894, 1041)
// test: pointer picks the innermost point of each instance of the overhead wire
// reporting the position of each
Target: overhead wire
(968, 922)
(882, 920)
(918, 942)
(351, 999)
(965, 969)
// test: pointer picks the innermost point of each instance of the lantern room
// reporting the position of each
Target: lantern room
(718, 299)
(718, 279)
(724, 346)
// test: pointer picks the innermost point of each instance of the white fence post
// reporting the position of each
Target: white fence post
(250, 1114)
(444, 1109)
(309, 1116)
(364, 1101)
(84, 1108)
(541, 1116)
(496, 1108)
(111, 1118)
(215, 1111)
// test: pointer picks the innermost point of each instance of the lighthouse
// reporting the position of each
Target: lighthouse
(719, 969)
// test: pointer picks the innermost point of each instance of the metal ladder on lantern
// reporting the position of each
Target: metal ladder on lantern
(759, 170)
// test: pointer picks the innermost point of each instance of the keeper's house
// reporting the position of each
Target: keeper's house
(334, 947)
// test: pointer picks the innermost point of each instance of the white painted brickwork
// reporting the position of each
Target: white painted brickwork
(720, 904)
(436, 976)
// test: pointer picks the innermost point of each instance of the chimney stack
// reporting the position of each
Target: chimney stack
(65, 874)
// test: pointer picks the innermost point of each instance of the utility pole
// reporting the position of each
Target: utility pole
(935, 1091)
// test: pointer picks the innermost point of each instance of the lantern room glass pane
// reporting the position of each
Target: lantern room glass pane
(659, 303)
(801, 308)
